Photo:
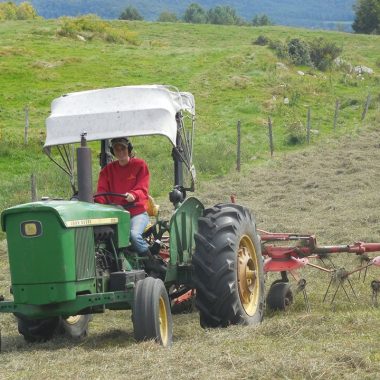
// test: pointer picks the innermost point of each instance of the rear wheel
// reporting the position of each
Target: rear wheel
(37, 330)
(76, 326)
(151, 316)
(280, 296)
(228, 266)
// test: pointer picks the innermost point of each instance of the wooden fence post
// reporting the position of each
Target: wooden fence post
(270, 132)
(337, 106)
(365, 110)
(26, 125)
(33, 187)
(238, 152)
(308, 125)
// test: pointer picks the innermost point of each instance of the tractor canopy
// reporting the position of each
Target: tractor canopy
(115, 112)
(108, 113)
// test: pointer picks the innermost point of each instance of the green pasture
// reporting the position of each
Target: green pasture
(232, 79)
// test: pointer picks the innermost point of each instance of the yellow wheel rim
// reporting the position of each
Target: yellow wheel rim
(247, 272)
(72, 320)
(163, 316)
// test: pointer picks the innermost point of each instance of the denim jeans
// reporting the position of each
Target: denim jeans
(138, 224)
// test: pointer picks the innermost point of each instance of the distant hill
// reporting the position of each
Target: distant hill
(324, 14)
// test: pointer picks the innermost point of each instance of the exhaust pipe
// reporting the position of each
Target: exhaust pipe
(84, 171)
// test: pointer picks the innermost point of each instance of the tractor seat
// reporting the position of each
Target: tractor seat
(153, 208)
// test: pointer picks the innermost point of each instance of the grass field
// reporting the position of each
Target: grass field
(329, 188)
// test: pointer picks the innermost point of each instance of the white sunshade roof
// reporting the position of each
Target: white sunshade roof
(115, 112)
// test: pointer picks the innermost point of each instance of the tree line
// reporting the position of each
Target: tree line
(367, 15)
(195, 14)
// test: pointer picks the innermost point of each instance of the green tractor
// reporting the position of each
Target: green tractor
(70, 259)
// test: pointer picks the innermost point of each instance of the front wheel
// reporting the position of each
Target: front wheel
(76, 326)
(151, 314)
(37, 330)
(228, 267)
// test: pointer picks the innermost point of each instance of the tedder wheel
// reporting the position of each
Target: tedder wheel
(76, 326)
(228, 267)
(37, 330)
(151, 314)
(280, 296)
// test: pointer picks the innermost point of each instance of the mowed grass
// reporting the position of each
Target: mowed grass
(331, 190)
(333, 341)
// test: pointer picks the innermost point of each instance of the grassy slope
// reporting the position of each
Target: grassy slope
(230, 78)
(330, 189)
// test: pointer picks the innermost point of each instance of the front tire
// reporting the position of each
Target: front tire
(76, 326)
(228, 267)
(151, 314)
(37, 330)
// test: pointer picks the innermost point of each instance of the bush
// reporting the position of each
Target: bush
(261, 40)
(280, 48)
(299, 52)
(295, 133)
(323, 53)
(91, 26)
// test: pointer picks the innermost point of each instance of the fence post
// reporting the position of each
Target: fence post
(238, 152)
(270, 132)
(308, 125)
(26, 125)
(368, 101)
(337, 106)
(33, 187)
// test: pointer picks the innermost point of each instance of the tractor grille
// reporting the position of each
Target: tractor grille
(84, 253)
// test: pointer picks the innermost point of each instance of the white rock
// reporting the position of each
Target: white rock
(286, 100)
(299, 72)
(363, 70)
(281, 65)
(80, 38)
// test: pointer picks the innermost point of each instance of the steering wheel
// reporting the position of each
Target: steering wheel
(108, 194)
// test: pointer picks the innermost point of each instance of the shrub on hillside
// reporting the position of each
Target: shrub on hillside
(323, 53)
(280, 48)
(261, 40)
(299, 52)
(92, 27)
(295, 133)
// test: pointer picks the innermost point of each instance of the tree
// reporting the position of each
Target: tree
(167, 17)
(261, 20)
(195, 14)
(367, 17)
(10, 11)
(130, 13)
(223, 15)
(25, 11)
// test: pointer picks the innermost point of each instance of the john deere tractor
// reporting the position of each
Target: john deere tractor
(70, 259)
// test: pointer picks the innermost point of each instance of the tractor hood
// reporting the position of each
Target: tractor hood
(72, 213)
(115, 112)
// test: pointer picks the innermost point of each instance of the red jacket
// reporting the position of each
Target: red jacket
(132, 178)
